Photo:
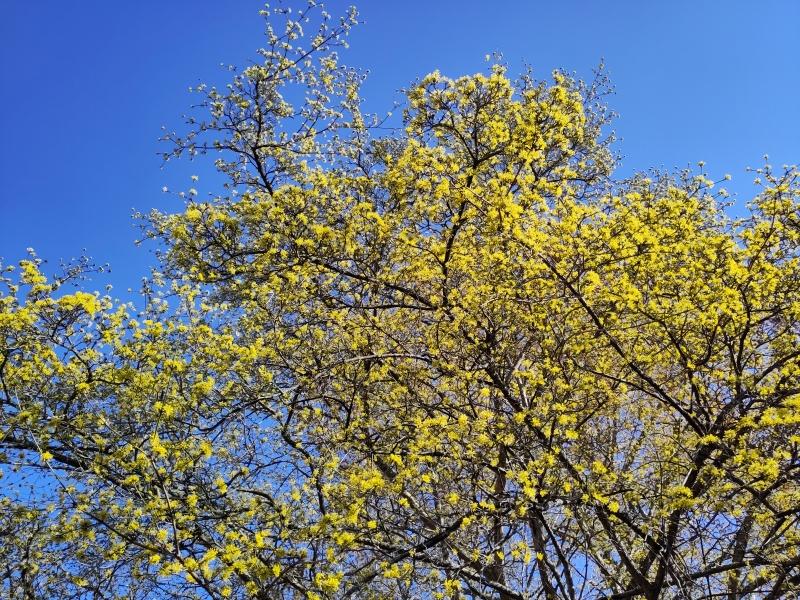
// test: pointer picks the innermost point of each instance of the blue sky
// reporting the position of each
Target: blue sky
(86, 86)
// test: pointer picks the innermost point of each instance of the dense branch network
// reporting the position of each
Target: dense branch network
(454, 359)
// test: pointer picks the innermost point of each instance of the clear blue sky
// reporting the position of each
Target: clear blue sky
(86, 86)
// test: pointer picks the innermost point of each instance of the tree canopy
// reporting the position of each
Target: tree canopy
(455, 358)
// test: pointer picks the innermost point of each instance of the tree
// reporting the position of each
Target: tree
(455, 360)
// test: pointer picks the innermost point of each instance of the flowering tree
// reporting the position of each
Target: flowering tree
(457, 360)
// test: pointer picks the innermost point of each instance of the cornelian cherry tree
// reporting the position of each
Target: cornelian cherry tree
(454, 359)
